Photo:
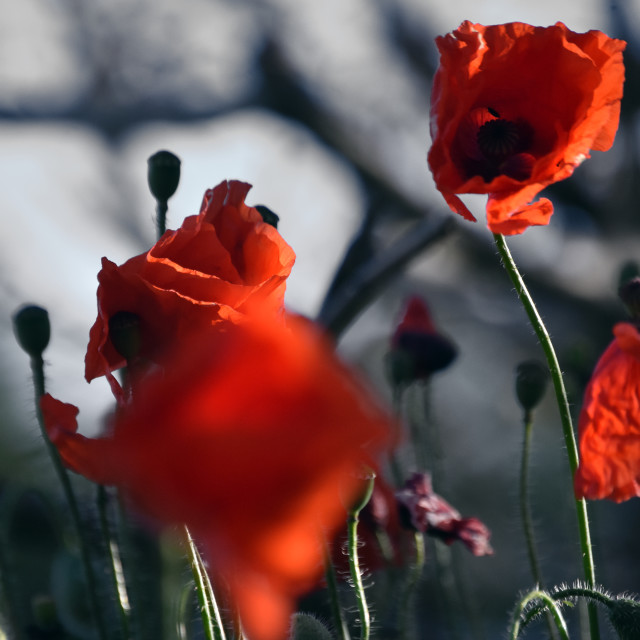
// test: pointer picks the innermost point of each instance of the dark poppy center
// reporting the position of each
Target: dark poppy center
(493, 146)
(499, 139)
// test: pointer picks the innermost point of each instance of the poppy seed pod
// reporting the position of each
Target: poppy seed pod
(532, 378)
(32, 329)
(124, 333)
(163, 175)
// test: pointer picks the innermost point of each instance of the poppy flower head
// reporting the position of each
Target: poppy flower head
(209, 271)
(609, 422)
(515, 108)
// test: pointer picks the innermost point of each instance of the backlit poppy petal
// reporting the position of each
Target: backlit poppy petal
(609, 423)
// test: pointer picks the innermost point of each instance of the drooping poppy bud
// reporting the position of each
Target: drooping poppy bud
(32, 329)
(624, 616)
(163, 175)
(532, 378)
(267, 215)
(417, 349)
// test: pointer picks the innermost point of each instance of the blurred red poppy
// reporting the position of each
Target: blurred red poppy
(255, 437)
(515, 108)
(609, 423)
(206, 272)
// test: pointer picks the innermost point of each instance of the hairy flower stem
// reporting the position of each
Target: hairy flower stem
(339, 620)
(525, 510)
(413, 580)
(211, 620)
(37, 369)
(549, 602)
(564, 595)
(354, 563)
(565, 415)
(116, 574)
(161, 217)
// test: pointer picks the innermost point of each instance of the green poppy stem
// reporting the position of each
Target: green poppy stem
(354, 563)
(413, 580)
(37, 368)
(211, 620)
(339, 620)
(565, 415)
(115, 566)
(549, 603)
(525, 511)
(162, 206)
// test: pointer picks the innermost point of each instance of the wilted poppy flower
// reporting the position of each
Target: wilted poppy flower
(609, 422)
(418, 349)
(515, 108)
(207, 271)
(254, 437)
(427, 512)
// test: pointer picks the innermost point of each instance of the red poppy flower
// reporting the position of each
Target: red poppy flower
(609, 422)
(254, 437)
(515, 108)
(207, 271)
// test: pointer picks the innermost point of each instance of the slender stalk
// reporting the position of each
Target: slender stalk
(161, 216)
(413, 579)
(117, 578)
(37, 368)
(339, 620)
(211, 621)
(536, 594)
(565, 415)
(525, 511)
(354, 563)
(559, 595)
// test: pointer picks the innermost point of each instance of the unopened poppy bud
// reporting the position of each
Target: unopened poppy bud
(629, 293)
(417, 349)
(624, 616)
(267, 215)
(163, 175)
(532, 378)
(32, 329)
(124, 332)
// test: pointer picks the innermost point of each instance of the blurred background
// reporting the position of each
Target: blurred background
(323, 107)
